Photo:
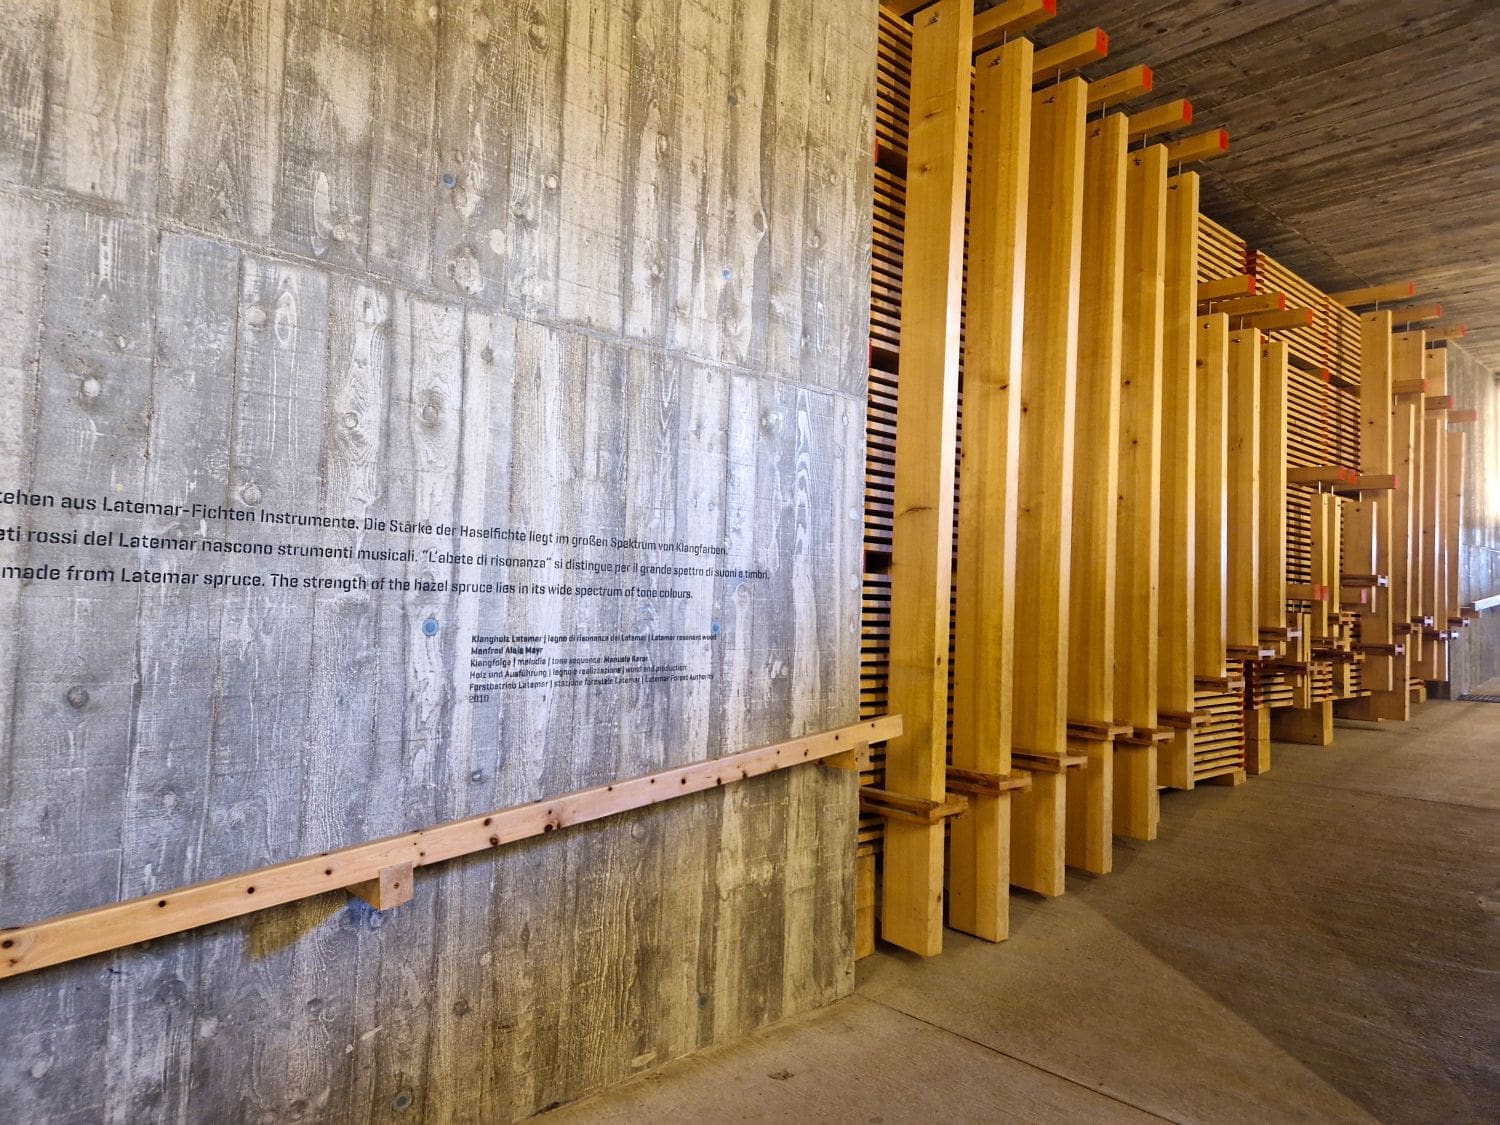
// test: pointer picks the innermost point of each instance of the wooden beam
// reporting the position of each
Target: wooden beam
(1175, 631)
(1376, 294)
(1011, 17)
(926, 420)
(1447, 332)
(1242, 622)
(1165, 118)
(1074, 52)
(1096, 498)
(1459, 417)
(1121, 87)
(1240, 285)
(1272, 545)
(1413, 314)
(1210, 490)
(979, 868)
(70, 936)
(1137, 806)
(1275, 320)
(1432, 598)
(391, 887)
(1197, 148)
(1241, 306)
(1044, 513)
(1435, 370)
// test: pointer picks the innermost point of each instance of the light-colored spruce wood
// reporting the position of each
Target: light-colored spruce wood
(1376, 294)
(1242, 489)
(54, 940)
(1121, 87)
(1175, 633)
(1432, 602)
(926, 421)
(979, 864)
(1310, 726)
(1137, 540)
(1044, 510)
(1091, 612)
(1271, 543)
(1168, 117)
(1368, 533)
(1009, 18)
(1210, 493)
(1139, 478)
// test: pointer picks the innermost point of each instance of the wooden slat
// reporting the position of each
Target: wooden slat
(1091, 612)
(1049, 375)
(1376, 294)
(81, 934)
(1272, 504)
(1238, 285)
(1070, 54)
(1165, 118)
(1175, 632)
(1199, 147)
(979, 875)
(1137, 807)
(1121, 87)
(1008, 18)
(1209, 493)
(1242, 486)
(927, 410)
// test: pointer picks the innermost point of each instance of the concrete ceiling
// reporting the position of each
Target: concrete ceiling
(1365, 134)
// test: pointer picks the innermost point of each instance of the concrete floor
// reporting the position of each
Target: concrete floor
(1321, 943)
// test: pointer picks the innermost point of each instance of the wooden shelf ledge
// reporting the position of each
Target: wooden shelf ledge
(386, 862)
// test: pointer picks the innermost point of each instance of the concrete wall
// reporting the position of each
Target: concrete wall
(591, 272)
(1475, 656)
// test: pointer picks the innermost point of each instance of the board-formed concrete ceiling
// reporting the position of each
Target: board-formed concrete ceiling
(1365, 134)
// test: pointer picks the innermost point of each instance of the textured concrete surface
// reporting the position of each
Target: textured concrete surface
(1322, 943)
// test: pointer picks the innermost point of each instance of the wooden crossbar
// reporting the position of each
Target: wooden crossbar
(1122, 86)
(1079, 50)
(1165, 118)
(1010, 18)
(1376, 294)
(383, 862)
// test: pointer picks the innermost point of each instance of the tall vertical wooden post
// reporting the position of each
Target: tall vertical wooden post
(1368, 534)
(1137, 805)
(1431, 663)
(1243, 496)
(1175, 632)
(1272, 541)
(1049, 365)
(1210, 497)
(1243, 507)
(926, 421)
(1091, 609)
(979, 866)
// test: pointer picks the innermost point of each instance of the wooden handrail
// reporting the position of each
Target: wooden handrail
(67, 937)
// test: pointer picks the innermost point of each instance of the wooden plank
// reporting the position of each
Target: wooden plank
(979, 874)
(1175, 627)
(1168, 117)
(1239, 285)
(1210, 492)
(1243, 466)
(1096, 495)
(1368, 529)
(52, 941)
(1121, 87)
(1433, 598)
(926, 421)
(1009, 18)
(1044, 516)
(1076, 51)
(1272, 532)
(1375, 294)
(1197, 148)
(1139, 480)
